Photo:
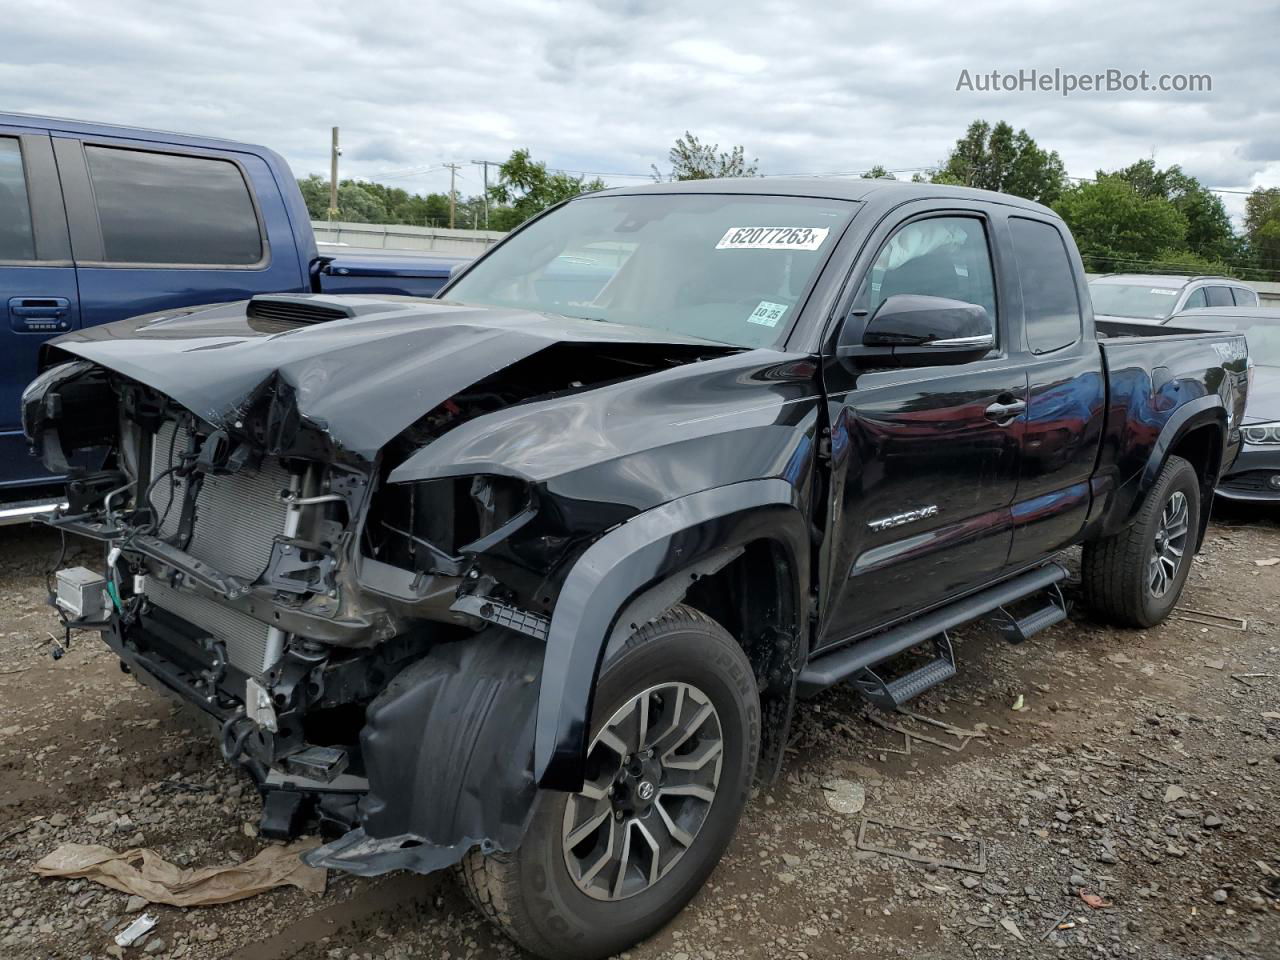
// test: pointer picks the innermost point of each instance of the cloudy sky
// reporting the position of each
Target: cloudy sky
(606, 85)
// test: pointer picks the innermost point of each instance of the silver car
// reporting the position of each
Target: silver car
(1255, 476)
(1153, 298)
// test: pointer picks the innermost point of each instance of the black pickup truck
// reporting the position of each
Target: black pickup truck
(529, 579)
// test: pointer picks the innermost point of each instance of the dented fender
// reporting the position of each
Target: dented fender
(621, 564)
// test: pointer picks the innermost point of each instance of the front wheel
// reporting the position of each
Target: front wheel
(674, 743)
(1134, 578)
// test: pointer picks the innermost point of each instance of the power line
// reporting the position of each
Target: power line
(400, 176)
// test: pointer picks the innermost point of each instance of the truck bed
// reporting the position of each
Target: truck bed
(1157, 375)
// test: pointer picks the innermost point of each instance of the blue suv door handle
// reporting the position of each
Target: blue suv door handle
(39, 314)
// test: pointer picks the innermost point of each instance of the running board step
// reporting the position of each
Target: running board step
(889, 695)
(827, 669)
(1020, 629)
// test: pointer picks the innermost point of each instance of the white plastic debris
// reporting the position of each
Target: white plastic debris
(845, 796)
(136, 931)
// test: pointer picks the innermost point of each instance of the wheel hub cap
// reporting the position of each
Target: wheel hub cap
(1169, 545)
(652, 773)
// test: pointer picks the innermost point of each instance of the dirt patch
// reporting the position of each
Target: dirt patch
(1142, 775)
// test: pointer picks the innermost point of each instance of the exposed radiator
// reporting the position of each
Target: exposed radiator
(251, 645)
(237, 516)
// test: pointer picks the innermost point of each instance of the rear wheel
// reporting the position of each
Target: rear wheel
(1134, 578)
(674, 743)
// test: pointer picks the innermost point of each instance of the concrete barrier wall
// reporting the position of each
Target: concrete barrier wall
(394, 236)
(1268, 293)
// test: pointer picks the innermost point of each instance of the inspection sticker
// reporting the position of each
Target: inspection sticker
(773, 238)
(767, 314)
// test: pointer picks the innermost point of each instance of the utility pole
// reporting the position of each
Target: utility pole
(334, 152)
(453, 194)
(486, 164)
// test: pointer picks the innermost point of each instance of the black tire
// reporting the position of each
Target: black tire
(529, 893)
(1116, 571)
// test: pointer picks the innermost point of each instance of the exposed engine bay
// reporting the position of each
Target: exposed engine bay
(261, 569)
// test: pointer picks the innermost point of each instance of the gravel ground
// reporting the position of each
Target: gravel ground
(1127, 810)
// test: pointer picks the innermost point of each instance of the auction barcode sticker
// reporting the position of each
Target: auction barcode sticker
(773, 238)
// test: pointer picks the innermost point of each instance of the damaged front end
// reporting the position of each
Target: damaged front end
(370, 651)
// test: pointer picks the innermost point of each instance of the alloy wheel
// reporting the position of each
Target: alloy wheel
(1170, 545)
(652, 774)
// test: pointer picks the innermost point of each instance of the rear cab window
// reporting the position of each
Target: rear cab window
(162, 208)
(17, 239)
(1050, 300)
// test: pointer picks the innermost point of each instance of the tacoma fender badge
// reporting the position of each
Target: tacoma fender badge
(899, 519)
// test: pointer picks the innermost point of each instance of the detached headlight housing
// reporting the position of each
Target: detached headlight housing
(1261, 433)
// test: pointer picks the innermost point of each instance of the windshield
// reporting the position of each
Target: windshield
(729, 268)
(1261, 333)
(1139, 300)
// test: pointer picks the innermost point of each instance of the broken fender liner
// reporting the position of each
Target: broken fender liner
(448, 748)
(143, 872)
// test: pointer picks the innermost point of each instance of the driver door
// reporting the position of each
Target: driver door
(924, 465)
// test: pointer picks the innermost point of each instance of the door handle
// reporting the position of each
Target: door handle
(39, 314)
(52, 308)
(1003, 413)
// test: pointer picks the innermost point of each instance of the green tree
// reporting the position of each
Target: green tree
(363, 201)
(1209, 232)
(315, 193)
(878, 172)
(359, 204)
(1118, 229)
(1262, 228)
(691, 159)
(526, 187)
(997, 158)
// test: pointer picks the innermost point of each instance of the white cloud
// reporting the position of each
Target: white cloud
(608, 85)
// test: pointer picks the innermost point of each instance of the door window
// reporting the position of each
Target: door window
(165, 208)
(17, 242)
(1196, 299)
(1050, 301)
(941, 257)
(1219, 296)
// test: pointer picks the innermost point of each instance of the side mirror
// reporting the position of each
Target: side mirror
(917, 330)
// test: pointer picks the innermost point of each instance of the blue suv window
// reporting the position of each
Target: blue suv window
(166, 208)
(16, 239)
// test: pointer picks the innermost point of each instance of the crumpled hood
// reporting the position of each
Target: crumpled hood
(361, 379)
